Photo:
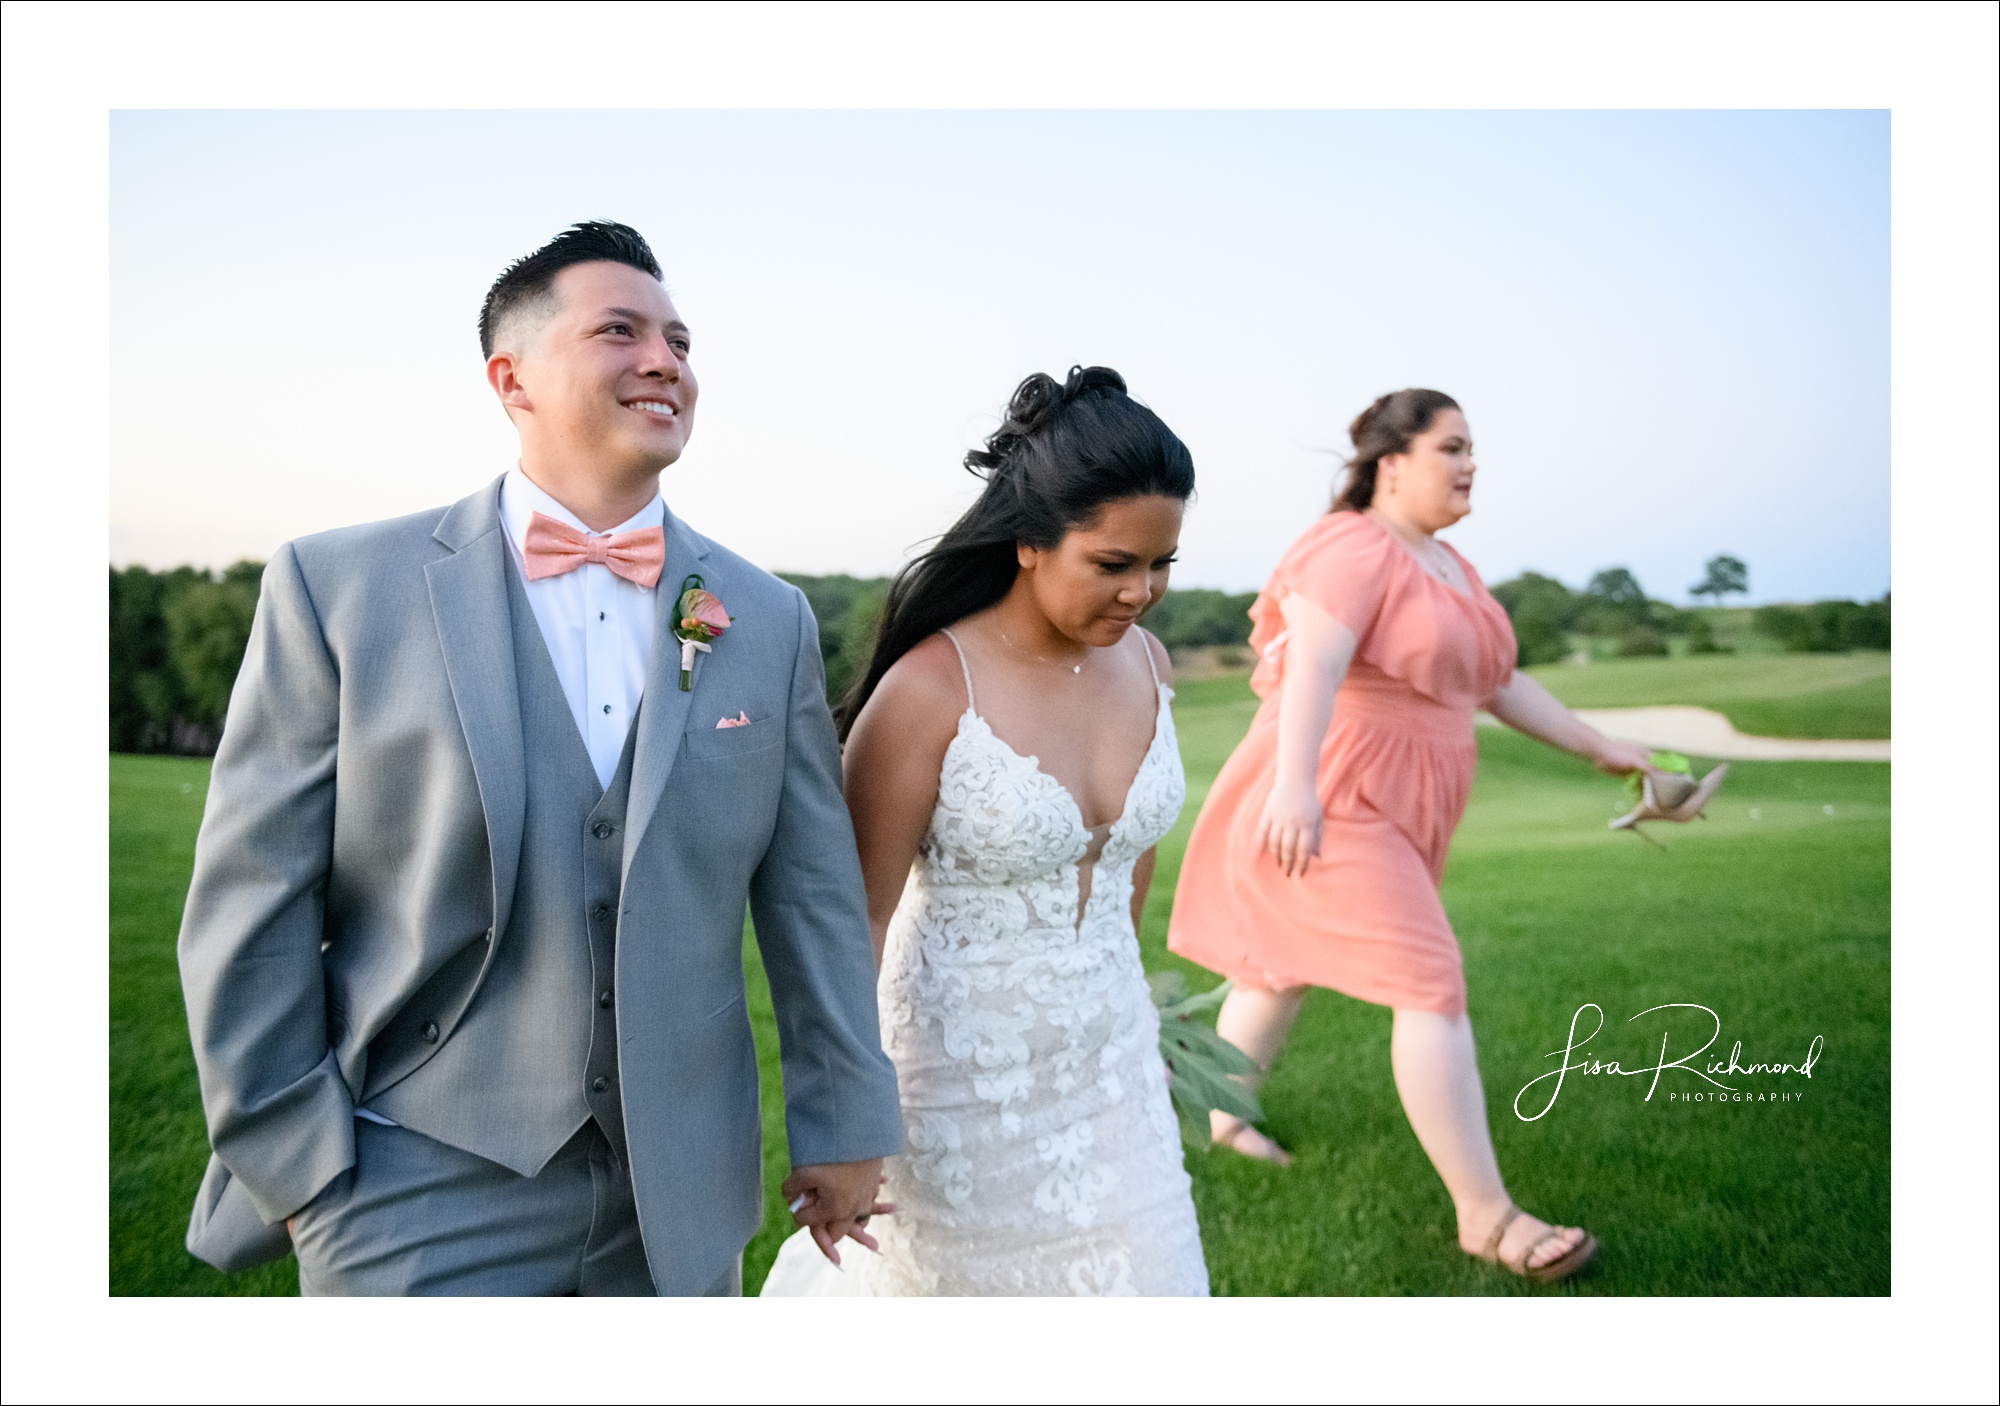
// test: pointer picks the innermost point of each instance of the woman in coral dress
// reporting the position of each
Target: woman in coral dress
(1316, 858)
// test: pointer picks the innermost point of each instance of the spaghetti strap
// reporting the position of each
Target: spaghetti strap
(1146, 645)
(966, 668)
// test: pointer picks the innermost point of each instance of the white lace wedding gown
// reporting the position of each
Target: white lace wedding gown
(1042, 1155)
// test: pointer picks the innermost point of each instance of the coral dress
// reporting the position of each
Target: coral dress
(1394, 773)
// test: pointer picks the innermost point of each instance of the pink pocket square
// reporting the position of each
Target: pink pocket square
(740, 720)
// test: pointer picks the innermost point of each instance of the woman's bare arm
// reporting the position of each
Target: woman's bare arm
(1317, 651)
(1142, 868)
(890, 769)
(1524, 705)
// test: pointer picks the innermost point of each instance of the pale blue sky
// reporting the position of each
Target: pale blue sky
(1669, 330)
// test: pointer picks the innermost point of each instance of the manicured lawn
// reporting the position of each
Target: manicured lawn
(1769, 695)
(158, 1143)
(1777, 921)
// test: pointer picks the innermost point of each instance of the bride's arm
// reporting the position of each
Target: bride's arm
(890, 770)
(1142, 868)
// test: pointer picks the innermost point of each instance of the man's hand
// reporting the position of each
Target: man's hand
(836, 1200)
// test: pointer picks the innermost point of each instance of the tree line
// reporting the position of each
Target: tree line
(177, 641)
(1552, 622)
(177, 637)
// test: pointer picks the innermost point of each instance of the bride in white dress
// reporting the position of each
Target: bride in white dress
(1010, 765)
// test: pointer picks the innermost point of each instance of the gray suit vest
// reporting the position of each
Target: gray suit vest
(536, 1055)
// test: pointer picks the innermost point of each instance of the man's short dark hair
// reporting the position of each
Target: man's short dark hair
(529, 280)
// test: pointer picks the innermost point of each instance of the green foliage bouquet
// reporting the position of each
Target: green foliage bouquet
(1203, 1069)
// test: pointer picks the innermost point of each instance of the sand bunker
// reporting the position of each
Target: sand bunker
(1706, 733)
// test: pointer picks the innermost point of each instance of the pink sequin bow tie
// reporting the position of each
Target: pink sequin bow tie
(552, 547)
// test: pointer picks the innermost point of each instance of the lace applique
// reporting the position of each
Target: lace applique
(1026, 1042)
(935, 1158)
(1073, 1189)
(1102, 1275)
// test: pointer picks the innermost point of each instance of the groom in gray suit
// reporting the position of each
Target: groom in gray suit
(462, 953)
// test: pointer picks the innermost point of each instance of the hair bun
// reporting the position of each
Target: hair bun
(1033, 403)
(1365, 421)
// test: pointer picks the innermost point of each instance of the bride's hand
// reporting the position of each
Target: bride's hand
(835, 1201)
(1291, 826)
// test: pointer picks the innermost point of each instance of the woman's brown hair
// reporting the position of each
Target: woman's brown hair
(1385, 428)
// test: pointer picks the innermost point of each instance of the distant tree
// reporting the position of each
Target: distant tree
(144, 697)
(1614, 602)
(1642, 641)
(846, 608)
(1827, 626)
(1725, 575)
(1192, 618)
(1616, 586)
(1543, 611)
(1701, 635)
(208, 626)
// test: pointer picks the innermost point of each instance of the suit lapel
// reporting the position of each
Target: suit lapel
(469, 600)
(664, 712)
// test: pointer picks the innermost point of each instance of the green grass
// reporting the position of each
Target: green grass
(1768, 695)
(1779, 923)
(158, 1142)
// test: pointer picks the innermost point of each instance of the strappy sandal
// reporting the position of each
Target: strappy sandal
(1666, 795)
(1562, 1267)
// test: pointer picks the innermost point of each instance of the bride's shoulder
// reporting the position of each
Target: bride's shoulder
(921, 695)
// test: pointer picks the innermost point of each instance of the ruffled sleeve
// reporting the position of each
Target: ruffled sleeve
(1343, 567)
(1341, 564)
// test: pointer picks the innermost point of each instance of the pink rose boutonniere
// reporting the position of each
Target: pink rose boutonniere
(698, 618)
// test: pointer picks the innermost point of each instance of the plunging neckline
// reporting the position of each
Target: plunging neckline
(1034, 763)
(1410, 555)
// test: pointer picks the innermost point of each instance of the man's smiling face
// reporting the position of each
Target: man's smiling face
(602, 368)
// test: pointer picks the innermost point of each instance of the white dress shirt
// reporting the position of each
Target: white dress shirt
(598, 626)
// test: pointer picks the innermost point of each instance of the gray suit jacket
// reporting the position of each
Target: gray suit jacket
(364, 823)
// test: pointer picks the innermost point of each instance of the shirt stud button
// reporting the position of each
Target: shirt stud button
(607, 707)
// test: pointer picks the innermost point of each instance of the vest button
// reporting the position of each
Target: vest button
(602, 829)
(430, 1032)
(604, 999)
(601, 912)
(600, 1084)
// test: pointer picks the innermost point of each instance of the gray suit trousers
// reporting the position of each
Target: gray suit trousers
(414, 1216)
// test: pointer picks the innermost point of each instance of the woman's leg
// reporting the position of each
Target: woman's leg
(1256, 1021)
(1437, 1075)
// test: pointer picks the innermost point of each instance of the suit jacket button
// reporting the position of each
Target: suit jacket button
(600, 1084)
(430, 1032)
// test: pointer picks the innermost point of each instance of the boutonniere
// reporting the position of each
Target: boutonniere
(698, 618)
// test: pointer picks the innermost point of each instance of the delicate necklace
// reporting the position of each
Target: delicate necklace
(1075, 668)
(1433, 551)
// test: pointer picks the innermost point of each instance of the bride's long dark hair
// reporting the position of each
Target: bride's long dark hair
(1065, 450)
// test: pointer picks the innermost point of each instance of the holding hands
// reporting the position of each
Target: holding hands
(835, 1201)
